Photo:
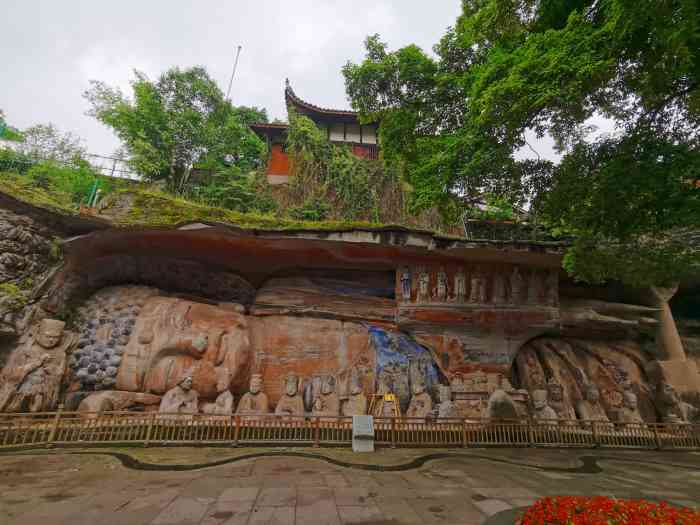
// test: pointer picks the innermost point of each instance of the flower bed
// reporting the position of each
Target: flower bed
(601, 510)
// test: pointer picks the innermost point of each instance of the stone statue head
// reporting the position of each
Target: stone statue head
(418, 388)
(328, 385)
(291, 385)
(592, 393)
(445, 394)
(555, 390)
(186, 383)
(255, 383)
(630, 400)
(50, 333)
(539, 399)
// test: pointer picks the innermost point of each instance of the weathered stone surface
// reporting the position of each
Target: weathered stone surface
(32, 378)
(180, 399)
(113, 400)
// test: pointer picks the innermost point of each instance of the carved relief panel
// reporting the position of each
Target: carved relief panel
(477, 284)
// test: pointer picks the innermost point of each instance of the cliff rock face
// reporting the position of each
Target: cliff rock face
(212, 314)
(27, 254)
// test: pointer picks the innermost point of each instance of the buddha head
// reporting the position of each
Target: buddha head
(186, 383)
(418, 388)
(592, 393)
(291, 385)
(539, 399)
(255, 384)
(630, 400)
(50, 333)
(555, 390)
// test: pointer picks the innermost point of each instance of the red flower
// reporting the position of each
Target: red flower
(601, 510)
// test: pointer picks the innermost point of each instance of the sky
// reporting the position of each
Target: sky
(51, 49)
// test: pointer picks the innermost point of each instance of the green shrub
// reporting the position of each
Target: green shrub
(75, 184)
(231, 189)
(314, 209)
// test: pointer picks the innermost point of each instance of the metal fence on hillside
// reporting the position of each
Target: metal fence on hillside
(107, 166)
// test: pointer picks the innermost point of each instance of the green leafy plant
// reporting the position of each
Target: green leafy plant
(75, 184)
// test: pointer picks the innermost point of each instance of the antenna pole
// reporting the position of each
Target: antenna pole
(235, 65)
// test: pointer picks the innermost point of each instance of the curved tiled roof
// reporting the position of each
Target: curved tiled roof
(294, 100)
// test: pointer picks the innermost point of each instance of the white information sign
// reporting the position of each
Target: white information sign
(362, 434)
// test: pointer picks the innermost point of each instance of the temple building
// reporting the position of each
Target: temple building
(341, 127)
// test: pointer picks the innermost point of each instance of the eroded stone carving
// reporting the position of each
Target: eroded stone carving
(446, 408)
(113, 400)
(356, 403)
(423, 285)
(291, 403)
(630, 411)
(460, 288)
(255, 400)
(516, 286)
(421, 404)
(406, 283)
(224, 404)
(31, 381)
(501, 406)
(541, 411)
(326, 402)
(441, 290)
(670, 406)
(181, 399)
(588, 407)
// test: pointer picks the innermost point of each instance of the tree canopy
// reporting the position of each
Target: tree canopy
(177, 121)
(458, 118)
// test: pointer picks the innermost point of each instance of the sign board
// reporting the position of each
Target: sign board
(362, 434)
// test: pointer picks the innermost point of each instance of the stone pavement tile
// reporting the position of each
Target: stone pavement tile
(277, 497)
(335, 480)
(492, 506)
(271, 516)
(394, 492)
(522, 502)
(184, 511)
(226, 511)
(204, 488)
(239, 494)
(317, 510)
(506, 492)
(352, 496)
(312, 496)
(460, 510)
(150, 499)
(314, 480)
(360, 515)
(554, 475)
(397, 509)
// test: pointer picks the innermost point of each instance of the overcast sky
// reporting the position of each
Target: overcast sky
(51, 49)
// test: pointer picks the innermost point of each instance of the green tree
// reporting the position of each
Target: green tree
(46, 142)
(509, 67)
(179, 121)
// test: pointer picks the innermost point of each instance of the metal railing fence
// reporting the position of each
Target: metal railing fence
(119, 428)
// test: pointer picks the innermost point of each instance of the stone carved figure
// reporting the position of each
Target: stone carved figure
(421, 404)
(477, 286)
(460, 289)
(671, 408)
(423, 286)
(499, 289)
(356, 403)
(291, 403)
(588, 408)
(32, 381)
(516, 286)
(327, 402)
(255, 400)
(555, 397)
(541, 411)
(406, 283)
(551, 285)
(501, 406)
(630, 410)
(534, 287)
(446, 408)
(224, 404)
(442, 287)
(181, 399)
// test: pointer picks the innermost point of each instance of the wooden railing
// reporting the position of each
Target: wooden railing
(83, 429)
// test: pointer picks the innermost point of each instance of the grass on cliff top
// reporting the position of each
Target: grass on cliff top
(138, 205)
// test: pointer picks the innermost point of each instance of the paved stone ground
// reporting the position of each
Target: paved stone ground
(63, 488)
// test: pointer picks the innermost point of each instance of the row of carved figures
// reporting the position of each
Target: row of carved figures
(540, 287)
